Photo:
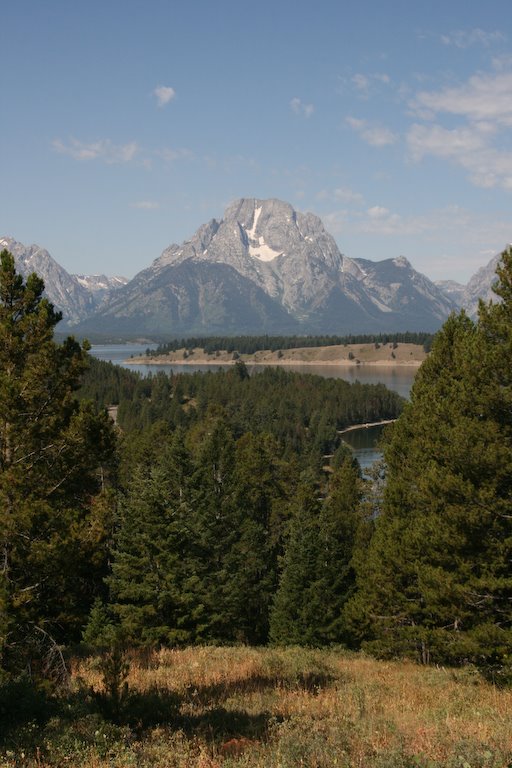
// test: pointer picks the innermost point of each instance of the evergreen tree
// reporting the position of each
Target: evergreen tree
(148, 583)
(51, 454)
(259, 502)
(214, 526)
(317, 576)
(296, 606)
(339, 524)
(436, 582)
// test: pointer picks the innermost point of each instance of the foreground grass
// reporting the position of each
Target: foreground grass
(263, 708)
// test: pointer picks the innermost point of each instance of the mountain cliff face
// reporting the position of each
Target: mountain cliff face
(77, 296)
(268, 268)
(263, 268)
(64, 291)
(480, 287)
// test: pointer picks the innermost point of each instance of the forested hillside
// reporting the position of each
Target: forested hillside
(224, 507)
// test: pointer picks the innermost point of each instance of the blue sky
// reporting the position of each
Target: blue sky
(126, 125)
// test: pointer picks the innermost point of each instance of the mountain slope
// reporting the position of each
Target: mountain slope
(289, 276)
(76, 296)
(63, 290)
(480, 287)
(191, 299)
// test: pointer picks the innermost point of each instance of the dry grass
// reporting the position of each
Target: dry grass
(345, 355)
(266, 707)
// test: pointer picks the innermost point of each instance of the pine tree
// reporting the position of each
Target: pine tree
(436, 581)
(340, 522)
(51, 450)
(151, 554)
(259, 499)
(297, 604)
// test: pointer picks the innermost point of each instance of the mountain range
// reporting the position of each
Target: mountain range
(263, 268)
(77, 296)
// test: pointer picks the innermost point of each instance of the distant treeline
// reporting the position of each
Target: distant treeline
(248, 345)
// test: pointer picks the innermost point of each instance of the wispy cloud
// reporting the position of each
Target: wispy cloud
(484, 106)
(170, 155)
(378, 212)
(107, 151)
(464, 237)
(300, 108)
(145, 205)
(484, 97)
(375, 135)
(465, 38)
(347, 195)
(103, 149)
(164, 94)
(344, 195)
(364, 83)
(457, 143)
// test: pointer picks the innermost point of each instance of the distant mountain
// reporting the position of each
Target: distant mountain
(101, 286)
(480, 287)
(263, 268)
(63, 290)
(77, 296)
(268, 268)
(452, 290)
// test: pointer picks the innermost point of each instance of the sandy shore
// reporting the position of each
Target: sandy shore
(352, 355)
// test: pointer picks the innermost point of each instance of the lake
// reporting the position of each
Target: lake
(362, 441)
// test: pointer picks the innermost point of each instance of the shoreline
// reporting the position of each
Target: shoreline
(403, 355)
(266, 363)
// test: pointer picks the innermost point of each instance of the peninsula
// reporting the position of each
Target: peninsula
(392, 354)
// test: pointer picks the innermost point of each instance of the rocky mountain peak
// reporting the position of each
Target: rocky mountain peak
(480, 287)
(267, 267)
(76, 296)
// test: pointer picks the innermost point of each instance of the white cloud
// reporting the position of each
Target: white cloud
(484, 106)
(378, 212)
(164, 94)
(341, 195)
(146, 205)
(485, 97)
(452, 236)
(103, 149)
(364, 84)
(300, 108)
(458, 143)
(464, 38)
(375, 135)
(347, 195)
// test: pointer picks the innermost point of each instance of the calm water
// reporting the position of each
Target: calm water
(362, 441)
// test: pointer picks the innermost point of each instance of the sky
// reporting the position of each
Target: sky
(126, 125)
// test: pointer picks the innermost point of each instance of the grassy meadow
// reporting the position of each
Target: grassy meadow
(261, 708)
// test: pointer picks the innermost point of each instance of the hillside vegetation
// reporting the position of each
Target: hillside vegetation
(223, 509)
(265, 708)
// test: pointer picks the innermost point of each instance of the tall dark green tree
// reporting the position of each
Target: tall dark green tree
(339, 530)
(298, 605)
(436, 583)
(260, 506)
(317, 577)
(149, 585)
(52, 451)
